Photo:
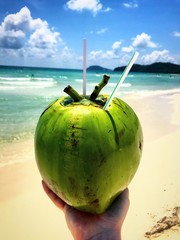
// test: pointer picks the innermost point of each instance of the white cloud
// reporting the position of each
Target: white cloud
(116, 45)
(99, 55)
(19, 21)
(176, 34)
(43, 38)
(101, 31)
(79, 5)
(13, 29)
(133, 4)
(108, 9)
(127, 49)
(31, 36)
(124, 59)
(119, 56)
(66, 54)
(157, 56)
(94, 55)
(38, 23)
(11, 39)
(111, 54)
(115, 48)
(143, 41)
(111, 58)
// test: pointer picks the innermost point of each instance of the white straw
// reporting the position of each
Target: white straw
(84, 67)
(121, 80)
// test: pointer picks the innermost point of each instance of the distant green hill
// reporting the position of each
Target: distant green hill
(98, 69)
(158, 67)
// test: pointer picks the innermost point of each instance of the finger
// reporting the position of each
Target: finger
(54, 198)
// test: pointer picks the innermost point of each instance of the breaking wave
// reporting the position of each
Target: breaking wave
(9, 83)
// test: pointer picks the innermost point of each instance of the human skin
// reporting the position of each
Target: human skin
(87, 226)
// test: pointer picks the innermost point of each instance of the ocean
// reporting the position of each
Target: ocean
(25, 92)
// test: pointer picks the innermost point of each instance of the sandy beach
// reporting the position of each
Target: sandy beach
(154, 213)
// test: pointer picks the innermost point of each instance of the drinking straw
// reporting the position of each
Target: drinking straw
(84, 67)
(121, 80)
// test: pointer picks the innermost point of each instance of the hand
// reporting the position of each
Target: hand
(87, 226)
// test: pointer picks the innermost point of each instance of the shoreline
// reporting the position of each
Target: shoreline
(16, 152)
(154, 191)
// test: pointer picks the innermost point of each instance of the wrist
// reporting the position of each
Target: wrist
(106, 235)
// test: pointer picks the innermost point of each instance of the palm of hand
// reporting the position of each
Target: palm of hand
(85, 225)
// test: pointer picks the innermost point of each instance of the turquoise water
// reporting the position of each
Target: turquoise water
(25, 92)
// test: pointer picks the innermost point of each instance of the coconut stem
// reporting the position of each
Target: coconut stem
(72, 93)
(98, 87)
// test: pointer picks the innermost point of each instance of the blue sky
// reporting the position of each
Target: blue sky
(50, 33)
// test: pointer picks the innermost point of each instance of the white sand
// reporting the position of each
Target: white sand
(27, 213)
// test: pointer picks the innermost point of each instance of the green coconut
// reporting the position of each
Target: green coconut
(85, 154)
